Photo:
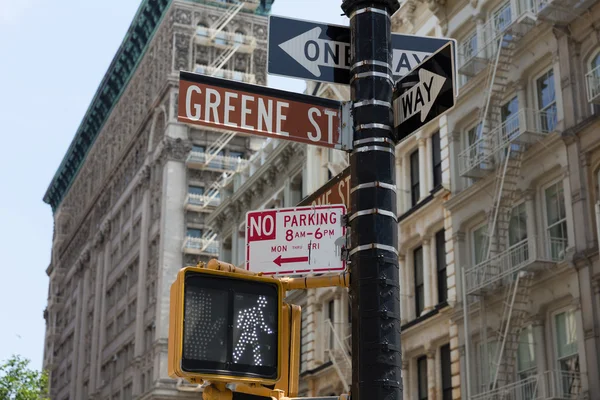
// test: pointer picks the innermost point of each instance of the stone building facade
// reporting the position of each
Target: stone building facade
(498, 220)
(131, 197)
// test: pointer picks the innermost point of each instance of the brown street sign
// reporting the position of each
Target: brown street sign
(241, 107)
(335, 191)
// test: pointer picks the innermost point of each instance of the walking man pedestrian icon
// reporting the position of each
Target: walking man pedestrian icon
(251, 321)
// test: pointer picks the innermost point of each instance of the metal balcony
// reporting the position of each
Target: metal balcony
(524, 128)
(201, 202)
(549, 385)
(592, 83)
(477, 52)
(198, 160)
(476, 160)
(225, 73)
(225, 40)
(562, 11)
(471, 61)
(523, 256)
(194, 245)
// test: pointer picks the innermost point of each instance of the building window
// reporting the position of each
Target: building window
(469, 46)
(331, 317)
(436, 155)
(502, 18)
(566, 341)
(526, 366)
(194, 233)
(415, 188)
(547, 101)
(446, 372)
(509, 115)
(488, 374)
(480, 243)
(197, 149)
(217, 161)
(440, 259)
(419, 281)
(199, 190)
(236, 154)
(422, 377)
(556, 220)
(517, 227)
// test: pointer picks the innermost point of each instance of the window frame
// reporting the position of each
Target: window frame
(415, 181)
(446, 372)
(546, 226)
(440, 255)
(419, 286)
(436, 165)
(538, 103)
(422, 394)
(472, 242)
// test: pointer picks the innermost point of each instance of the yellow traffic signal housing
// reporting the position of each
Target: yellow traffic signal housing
(226, 327)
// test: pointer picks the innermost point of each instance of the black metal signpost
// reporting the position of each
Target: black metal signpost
(375, 291)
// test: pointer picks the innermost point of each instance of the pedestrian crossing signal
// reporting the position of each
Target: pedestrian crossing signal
(225, 327)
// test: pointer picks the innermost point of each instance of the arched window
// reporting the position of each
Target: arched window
(593, 81)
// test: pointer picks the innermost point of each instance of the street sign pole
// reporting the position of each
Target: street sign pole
(376, 350)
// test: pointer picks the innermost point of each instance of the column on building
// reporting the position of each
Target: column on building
(400, 199)
(431, 373)
(172, 229)
(337, 317)
(540, 344)
(83, 318)
(427, 166)
(534, 245)
(405, 185)
(410, 286)
(433, 271)
(404, 284)
(479, 29)
(77, 348)
(405, 380)
(141, 287)
(422, 168)
(100, 252)
(428, 304)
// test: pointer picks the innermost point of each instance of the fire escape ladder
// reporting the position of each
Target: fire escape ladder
(224, 19)
(207, 239)
(514, 311)
(339, 354)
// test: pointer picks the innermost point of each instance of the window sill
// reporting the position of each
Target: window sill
(425, 317)
(422, 203)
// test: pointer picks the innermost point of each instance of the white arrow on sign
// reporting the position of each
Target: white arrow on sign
(312, 52)
(418, 98)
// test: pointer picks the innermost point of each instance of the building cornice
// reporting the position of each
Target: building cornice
(124, 64)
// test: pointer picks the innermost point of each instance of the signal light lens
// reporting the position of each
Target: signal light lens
(230, 325)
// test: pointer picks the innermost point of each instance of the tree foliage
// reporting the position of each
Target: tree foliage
(18, 382)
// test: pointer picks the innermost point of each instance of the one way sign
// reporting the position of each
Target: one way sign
(321, 52)
(425, 93)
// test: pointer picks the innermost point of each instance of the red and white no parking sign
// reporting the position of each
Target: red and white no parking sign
(295, 240)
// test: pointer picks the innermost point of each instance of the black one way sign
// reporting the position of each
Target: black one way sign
(425, 93)
(321, 52)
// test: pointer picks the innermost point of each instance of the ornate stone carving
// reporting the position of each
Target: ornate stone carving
(182, 52)
(183, 16)
(176, 149)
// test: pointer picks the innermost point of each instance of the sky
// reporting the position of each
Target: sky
(53, 55)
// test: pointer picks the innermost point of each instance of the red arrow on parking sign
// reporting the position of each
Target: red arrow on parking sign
(279, 260)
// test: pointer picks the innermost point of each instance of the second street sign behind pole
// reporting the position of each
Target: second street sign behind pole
(241, 107)
(321, 52)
